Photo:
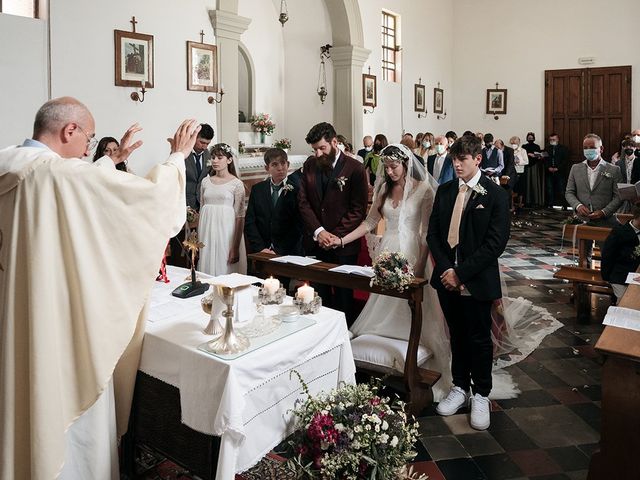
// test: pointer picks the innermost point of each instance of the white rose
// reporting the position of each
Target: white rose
(385, 425)
(394, 441)
(339, 427)
(384, 438)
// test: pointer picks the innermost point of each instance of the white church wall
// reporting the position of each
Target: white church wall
(23, 75)
(426, 38)
(306, 31)
(82, 64)
(264, 42)
(514, 42)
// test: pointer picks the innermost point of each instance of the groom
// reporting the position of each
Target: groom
(332, 201)
(468, 231)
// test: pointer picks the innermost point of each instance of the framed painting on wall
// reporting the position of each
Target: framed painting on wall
(369, 93)
(496, 101)
(202, 67)
(438, 100)
(134, 59)
(419, 104)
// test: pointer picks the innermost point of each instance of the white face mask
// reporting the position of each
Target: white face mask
(368, 149)
(553, 143)
(426, 144)
(440, 149)
(514, 146)
(636, 138)
(341, 147)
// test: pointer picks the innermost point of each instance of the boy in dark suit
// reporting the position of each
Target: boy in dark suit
(468, 231)
(272, 223)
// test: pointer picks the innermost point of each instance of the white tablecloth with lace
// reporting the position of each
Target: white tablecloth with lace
(246, 401)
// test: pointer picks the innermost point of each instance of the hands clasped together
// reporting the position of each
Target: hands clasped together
(329, 241)
(451, 281)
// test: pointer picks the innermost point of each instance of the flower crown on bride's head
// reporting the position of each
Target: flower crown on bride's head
(394, 153)
(224, 148)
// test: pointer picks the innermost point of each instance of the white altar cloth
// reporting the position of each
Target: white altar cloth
(246, 401)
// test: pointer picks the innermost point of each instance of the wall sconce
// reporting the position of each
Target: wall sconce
(369, 111)
(442, 116)
(216, 97)
(422, 115)
(138, 97)
(284, 14)
(322, 74)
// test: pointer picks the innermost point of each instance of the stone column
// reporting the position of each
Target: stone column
(227, 28)
(347, 73)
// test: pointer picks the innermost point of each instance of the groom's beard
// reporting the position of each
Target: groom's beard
(325, 162)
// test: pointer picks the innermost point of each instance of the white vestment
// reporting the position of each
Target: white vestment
(80, 246)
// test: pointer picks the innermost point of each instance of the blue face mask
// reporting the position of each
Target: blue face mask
(591, 154)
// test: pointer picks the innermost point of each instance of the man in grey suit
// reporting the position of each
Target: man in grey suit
(592, 188)
(197, 166)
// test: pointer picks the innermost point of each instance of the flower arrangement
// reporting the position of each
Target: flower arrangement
(352, 433)
(241, 147)
(283, 143)
(392, 271)
(262, 123)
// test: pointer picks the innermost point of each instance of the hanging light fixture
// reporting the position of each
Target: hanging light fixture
(284, 14)
(322, 74)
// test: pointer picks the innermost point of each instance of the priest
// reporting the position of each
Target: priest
(80, 246)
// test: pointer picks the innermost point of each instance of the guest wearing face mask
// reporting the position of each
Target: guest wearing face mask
(629, 164)
(556, 171)
(440, 165)
(534, 172)
(427, 145)
(618, 155)
(635, 136)
(372, 158)
(368, 146)
(520, 160)
(592, 189)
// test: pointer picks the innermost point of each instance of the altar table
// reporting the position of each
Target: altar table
(247, 402)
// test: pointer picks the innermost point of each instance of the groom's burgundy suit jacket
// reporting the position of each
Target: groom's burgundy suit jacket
(484, 232)
(338, 210)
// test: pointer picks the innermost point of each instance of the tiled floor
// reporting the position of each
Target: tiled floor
(551, 429)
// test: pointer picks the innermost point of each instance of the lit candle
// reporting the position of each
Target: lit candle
(271, 285)
(305, 293)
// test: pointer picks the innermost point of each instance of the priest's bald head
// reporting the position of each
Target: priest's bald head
(66, 126)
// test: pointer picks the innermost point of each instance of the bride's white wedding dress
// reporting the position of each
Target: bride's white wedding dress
(518, 328)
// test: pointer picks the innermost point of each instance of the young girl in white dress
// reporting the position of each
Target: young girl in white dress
(222, 197)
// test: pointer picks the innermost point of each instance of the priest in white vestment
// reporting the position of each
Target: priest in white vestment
(80, 247)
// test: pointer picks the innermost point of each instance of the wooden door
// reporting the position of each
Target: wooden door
(588, 100)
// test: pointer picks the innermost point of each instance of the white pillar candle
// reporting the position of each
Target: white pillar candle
(271, 285)
(305, 293)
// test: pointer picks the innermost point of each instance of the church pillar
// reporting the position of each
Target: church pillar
(348, 61)
(227, 28)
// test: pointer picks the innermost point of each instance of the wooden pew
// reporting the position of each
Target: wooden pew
(585, 280)
(417, 381)
(617, 457)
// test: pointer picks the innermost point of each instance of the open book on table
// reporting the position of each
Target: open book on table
(354, 269)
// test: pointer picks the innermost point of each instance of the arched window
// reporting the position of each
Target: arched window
(246, 85)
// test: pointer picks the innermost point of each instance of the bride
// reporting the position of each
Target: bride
(403, 197)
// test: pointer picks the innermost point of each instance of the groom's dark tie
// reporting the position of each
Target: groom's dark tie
(197, 158)
(456, 216)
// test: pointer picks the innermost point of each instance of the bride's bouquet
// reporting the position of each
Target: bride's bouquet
(392, 271)
(352, 433)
